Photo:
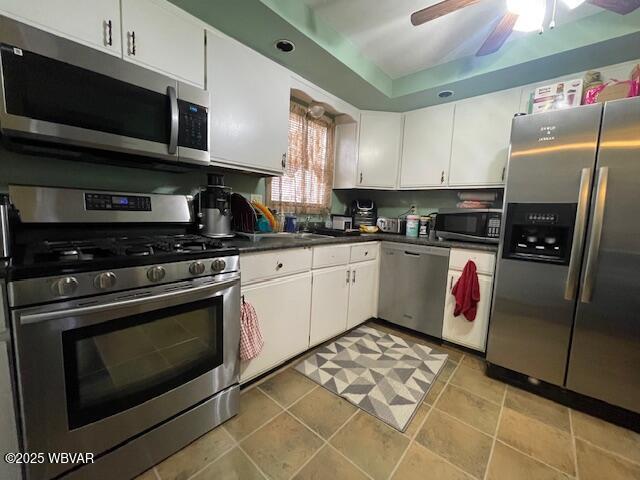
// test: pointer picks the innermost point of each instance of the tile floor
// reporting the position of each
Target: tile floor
(469, 426)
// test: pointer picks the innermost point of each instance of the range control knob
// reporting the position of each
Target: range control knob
(64, 286)
(218, 265)
(197, 268)
(105, 280)
(155, 274)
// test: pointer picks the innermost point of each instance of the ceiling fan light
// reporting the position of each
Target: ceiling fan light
(573, 3)
(530, 14)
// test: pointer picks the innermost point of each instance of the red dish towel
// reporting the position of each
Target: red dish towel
(251, 341)
(467, 292)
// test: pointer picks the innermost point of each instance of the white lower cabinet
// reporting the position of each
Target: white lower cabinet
(283, 307)
(305, 306)
(458, 329)
(329, 303)
(362, 292)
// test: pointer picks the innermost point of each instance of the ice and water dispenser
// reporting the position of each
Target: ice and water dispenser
(539, 232)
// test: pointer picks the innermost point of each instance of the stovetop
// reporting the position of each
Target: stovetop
(45, 258)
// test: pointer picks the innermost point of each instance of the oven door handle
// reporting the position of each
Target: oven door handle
(166, 299)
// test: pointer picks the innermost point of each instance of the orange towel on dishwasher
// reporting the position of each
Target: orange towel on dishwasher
(467, 292)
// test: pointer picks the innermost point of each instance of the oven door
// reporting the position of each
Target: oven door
(92, 376)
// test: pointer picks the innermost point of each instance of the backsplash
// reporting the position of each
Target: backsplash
(395, 203)
(19, 168)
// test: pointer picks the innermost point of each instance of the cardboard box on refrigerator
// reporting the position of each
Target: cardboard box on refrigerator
(557, 96)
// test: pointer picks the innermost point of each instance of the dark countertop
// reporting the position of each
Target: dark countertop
(267, 244)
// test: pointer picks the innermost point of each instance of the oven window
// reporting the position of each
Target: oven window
(41, 88)
(117, 365)
(465, 224)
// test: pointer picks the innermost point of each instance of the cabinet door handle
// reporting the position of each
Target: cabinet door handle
(504, 171)
(353, 277)
(109, 41)
(442, 177)
(360, 177)
(132, 49)
(451, 287)
(348, 275)
(284, 160)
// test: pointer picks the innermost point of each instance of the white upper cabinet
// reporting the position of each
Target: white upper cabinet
(379, 149)
(426, 148)
(346, 155)
(481, 131)
(249, 107)
(95, 23)
(156, 36)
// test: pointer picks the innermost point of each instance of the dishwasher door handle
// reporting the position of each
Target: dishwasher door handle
(413, 254)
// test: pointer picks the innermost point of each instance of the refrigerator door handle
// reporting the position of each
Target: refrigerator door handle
(571, 284)
(593, 249)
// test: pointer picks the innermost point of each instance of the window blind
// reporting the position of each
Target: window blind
(306, 184)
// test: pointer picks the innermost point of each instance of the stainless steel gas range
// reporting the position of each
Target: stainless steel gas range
(125, 327)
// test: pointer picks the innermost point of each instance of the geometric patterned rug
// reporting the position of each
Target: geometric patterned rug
(381, 373)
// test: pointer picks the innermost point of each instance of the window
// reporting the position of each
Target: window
(306, 184)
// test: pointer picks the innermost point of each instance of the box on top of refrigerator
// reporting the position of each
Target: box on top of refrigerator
(557, 96)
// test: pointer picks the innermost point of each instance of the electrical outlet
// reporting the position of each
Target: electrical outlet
(257, 197)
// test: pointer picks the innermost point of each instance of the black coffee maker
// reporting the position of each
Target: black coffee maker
(212, 204)
(364, 212)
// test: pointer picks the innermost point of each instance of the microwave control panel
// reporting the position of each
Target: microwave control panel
(193, 131)
(107, 201)
(493, 227)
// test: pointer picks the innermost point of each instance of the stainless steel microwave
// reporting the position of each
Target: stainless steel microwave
(57, 91)
(474, 225)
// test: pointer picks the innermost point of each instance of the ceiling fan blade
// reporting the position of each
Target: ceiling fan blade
(499, 35)
(438, 10)
(618, 6)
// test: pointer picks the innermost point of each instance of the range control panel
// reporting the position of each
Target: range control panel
(107, 201)
(193, 131)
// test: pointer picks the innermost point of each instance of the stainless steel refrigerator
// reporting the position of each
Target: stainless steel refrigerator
(567, 295)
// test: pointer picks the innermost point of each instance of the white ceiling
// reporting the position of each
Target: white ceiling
(382, 31)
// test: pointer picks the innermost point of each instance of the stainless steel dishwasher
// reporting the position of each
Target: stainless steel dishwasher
(413, 284)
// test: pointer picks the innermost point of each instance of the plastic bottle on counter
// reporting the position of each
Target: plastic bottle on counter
(413, 226)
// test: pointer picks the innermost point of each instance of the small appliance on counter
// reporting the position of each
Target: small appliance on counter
(473, 225)
(341, 222)
(213, 206)
(392, 225)
(364, 212)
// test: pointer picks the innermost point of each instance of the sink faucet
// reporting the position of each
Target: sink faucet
(305, 227)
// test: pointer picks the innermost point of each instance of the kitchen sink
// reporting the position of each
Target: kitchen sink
(256, 237)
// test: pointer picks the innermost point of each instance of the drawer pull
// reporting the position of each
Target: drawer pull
(279, 266)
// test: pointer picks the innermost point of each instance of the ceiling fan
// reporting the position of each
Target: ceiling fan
(522, 15)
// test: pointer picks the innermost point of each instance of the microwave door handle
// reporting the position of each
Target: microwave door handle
(173, 112)
(162, 300)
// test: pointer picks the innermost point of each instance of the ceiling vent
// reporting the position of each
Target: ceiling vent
(284, 45)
